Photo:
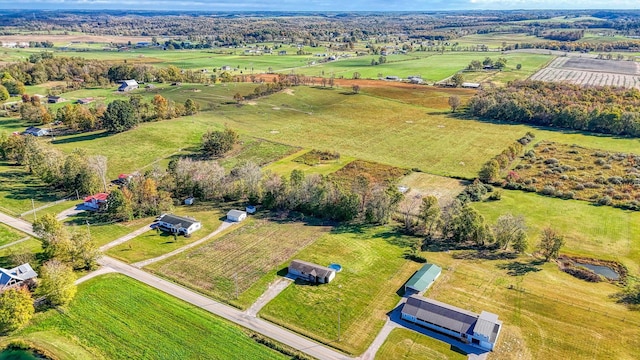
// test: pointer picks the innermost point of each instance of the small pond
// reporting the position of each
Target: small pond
(605, 271)
(336, 267)
(10, 354)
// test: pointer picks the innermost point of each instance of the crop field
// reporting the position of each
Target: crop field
(155, 243)
(593, 72)
(363, 292)
(250, 257)
(407, 344)
(115, 317)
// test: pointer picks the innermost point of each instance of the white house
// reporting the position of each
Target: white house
(97, 201)
(175, 224)
(16, 276)
(310, 272)
(236, 215)
(481, 330)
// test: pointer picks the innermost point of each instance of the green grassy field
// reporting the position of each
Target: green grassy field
(9, 235)
(596, 231)
(18, 188)
(115, 317)
(155, 243)
(287, 164)
(31, 246)
(250, 256)
(363, 292)
(407, 344)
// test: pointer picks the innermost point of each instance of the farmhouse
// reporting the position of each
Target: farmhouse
(479, 330)
(423, 279)
(96, 202)
(16, 276)
(310, 272)
(236, 215)
(54, 99)
(177, 224)
(31, 130)
(128, 85)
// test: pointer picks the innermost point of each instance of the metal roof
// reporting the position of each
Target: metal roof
(423, 278)
(440, 314)
(19, 273)
(310, 268)
(235, 213)
(453, 318)
(177, 221)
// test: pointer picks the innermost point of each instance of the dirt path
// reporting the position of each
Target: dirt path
(274, 289)
(225, 225)
(15, 242)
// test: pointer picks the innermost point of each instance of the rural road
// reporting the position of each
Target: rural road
(225, 225)
(19, 224)
(236, 316)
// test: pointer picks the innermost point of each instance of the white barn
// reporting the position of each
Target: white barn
(236, 215)
(481, 330)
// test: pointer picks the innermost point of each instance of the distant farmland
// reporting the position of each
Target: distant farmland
(587, 71)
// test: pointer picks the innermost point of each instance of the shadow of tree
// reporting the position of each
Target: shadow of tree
(485, 255)
(518, 268)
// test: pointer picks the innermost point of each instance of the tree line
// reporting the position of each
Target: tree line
(602, 109)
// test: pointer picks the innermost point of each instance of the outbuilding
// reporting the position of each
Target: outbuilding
(189, 201)
(422, 279)
(128, 85)
(480, 330)
(236, 215)
(35, 131)
(250, 209)
(313, 273)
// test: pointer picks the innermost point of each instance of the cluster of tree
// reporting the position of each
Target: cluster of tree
(605, 109)
(490, 171)
(10, 86)
(139, 197)
(77, 117)
(583, 46)
(218, 143)
(72, 172)
(475, 65)
(573, 35)
(381, 60)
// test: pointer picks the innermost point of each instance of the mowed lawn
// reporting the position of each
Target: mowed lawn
(362, 293)
(9, 235)
(18, 188)
(406, 344)
(115, 317)
(251, 256)
(154, 243)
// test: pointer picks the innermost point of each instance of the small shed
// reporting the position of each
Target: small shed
(54, 99)
(250, 209)
(236, 215)
(189, 201)
(423, 278)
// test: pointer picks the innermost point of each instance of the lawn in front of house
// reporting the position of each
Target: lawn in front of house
(250, 256)
(374, 270)
(116, 317)
(155, 242)
(407, 344)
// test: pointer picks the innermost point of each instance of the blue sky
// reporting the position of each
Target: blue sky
(318, 5)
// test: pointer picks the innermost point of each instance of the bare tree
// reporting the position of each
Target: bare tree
(98, 164)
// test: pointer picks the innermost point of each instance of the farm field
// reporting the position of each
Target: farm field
(583, 71)
(289, 163)
(407, 344)
(251, 257)
(531, 64)
(363, 292)
(133, 323)
(155, 243)
(422, 184)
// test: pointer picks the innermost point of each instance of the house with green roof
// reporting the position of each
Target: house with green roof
(422, 279)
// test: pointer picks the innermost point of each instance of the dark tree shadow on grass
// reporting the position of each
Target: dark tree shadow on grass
(518, 268)
(86, 137)
(485, 254)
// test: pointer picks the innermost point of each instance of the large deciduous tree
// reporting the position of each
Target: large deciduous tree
(217, 143)
(16, 309)
(511, 230)
(57, 283)
(550, 243)
(119, 116)
(454, 102)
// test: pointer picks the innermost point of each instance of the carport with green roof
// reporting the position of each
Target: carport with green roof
(423, 279)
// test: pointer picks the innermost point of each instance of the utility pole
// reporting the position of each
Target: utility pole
(77, 195)
(88, 229)
(33, 206)
(338, 325)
